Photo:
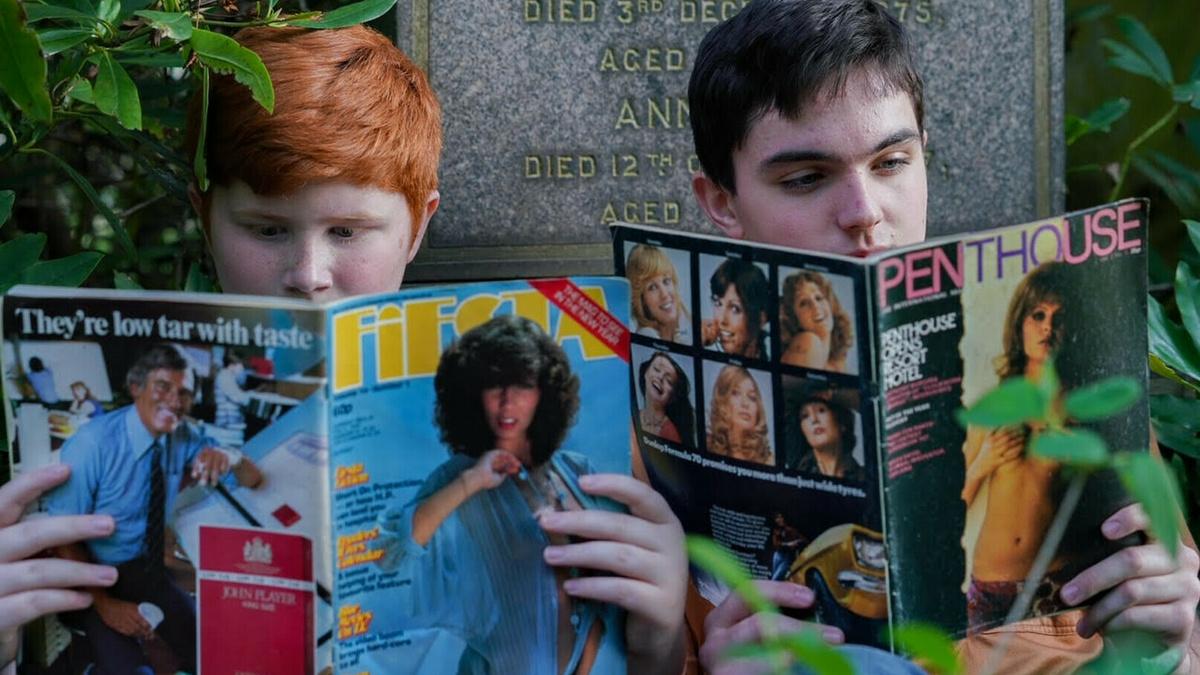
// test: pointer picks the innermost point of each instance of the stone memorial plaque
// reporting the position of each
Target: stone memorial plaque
(562, 116)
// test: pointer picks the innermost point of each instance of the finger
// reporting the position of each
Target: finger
(780, 593)
(25, 488)
(29, 575)
(618, 558)
(609, 526)
(1131, 596)
(755, 628)
(636, 597)
(1129, 563)
(643, 501)
(1168, 621)
(28, 537)
(21, 608)
(1125, 522)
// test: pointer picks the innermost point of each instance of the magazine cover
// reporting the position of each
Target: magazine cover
(799, 407)
(458, 415)
(195, 421)
(956, 320)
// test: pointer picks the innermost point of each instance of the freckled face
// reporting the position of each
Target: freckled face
(324, 242)
(818, 425)
(813, 310)
(1040, 332)
(744, 405)
(660, 382)
(659, 298)
(509, 413)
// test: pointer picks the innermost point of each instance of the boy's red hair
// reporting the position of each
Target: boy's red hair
(349, 106)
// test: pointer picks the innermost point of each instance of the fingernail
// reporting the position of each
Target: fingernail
(106, 575)
(549, 519)
(804, 594)
(101, 524)
(553, 554)
(587, 481)
(571, 585)
(833, 635)
(1070, 594)
(1110, 528)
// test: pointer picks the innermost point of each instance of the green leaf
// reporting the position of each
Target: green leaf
(1187, 288)
(58, 40)
(7, 199)
(1188, 93)
(124, 282)
(929, 644)
(1100, 119)
(84, 184)
(227, 57)
(1148, 47)
(1125, 58)
(22, 68)
(40, 12)
(115, 93)
(1153, 485)
(1179, 181)
(714, 559)
(1176, 409)
(1178, 437)
(1158, 367)
(69, 271)
(82, 91)
(16, 255)
(1193, 232)
(1170, 343)
(176, 25)
(350, 15)
(1102, 399)
(197, 282)
(1014, 401)
(812, 651)
(1077, 447)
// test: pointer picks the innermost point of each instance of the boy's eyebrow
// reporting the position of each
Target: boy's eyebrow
(796, 156)
(268, 215)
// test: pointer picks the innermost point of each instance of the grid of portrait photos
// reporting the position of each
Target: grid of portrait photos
(742, 356)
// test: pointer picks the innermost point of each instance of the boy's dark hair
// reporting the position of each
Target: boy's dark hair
(783, 54)
(508, 350)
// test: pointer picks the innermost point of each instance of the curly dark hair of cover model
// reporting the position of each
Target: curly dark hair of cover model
(507, 350)
(679, 409)
(750, 284)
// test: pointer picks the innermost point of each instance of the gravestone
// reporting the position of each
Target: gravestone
(561, 116)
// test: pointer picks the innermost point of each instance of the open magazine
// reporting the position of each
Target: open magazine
(799, 407)
(271, 464)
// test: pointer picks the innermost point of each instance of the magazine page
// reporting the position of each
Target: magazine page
(452, 429)
(967, 509)
(751, 381)
(197, 422)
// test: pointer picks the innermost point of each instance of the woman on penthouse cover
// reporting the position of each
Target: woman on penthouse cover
(1022, 490)
(656, 302)
(668, 412)
(470, 539)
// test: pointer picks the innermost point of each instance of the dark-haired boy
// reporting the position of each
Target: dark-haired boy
(808, 119)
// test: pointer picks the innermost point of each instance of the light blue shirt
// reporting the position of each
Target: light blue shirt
(481, 592)
(110, 462)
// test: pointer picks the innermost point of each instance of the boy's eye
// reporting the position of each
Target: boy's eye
(266, 231)
(801, 181)
(893, 164)
(343, 232)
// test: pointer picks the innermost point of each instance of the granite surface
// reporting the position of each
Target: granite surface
(563, 115)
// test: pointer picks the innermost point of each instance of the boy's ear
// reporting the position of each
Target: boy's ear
(431, 205)
(718, 204)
